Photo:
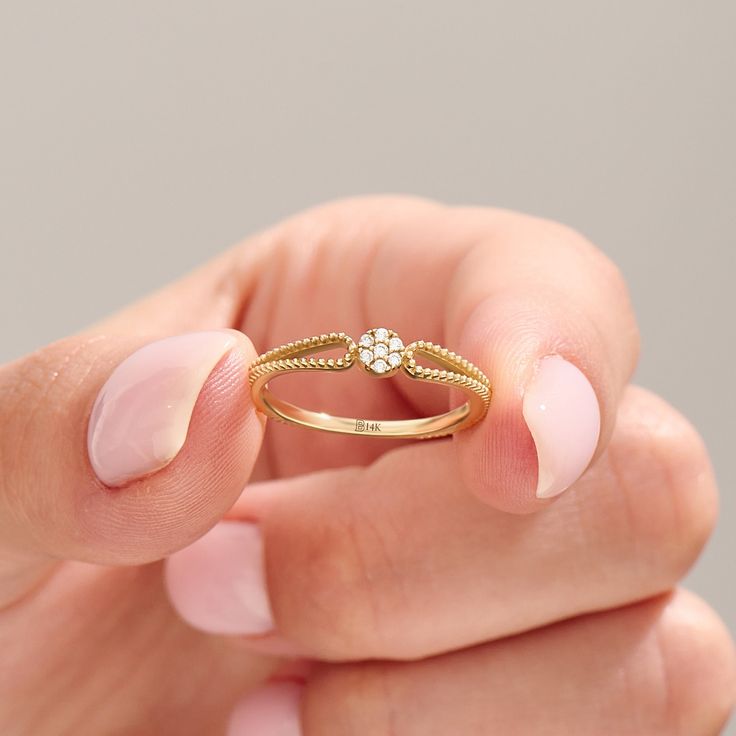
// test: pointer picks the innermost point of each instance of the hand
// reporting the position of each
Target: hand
(357, 586)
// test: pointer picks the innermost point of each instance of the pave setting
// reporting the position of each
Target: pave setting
(381, 351)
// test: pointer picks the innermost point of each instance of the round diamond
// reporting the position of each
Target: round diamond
(380, 366)
(380, 351)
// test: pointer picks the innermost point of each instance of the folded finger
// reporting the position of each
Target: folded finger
(398, 561)
(661, 667)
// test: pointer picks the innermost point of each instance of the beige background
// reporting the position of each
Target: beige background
(139, 138)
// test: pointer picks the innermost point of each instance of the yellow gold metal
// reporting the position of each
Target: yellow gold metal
(452, 371)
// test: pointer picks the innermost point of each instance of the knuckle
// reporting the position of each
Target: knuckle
(334, 591)
(697, 687)
(354, 699)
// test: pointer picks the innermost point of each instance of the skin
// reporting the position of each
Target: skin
(581, 626)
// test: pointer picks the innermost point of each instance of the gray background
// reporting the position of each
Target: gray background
(137, 139)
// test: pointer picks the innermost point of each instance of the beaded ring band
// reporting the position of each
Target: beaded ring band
(381, 353)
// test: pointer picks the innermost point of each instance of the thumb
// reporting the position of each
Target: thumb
(119, 451)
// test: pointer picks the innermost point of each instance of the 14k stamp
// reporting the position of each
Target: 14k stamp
(362, 425)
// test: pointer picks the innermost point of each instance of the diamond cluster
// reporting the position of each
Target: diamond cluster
(380, 351)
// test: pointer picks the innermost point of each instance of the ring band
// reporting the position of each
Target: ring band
(380, 353)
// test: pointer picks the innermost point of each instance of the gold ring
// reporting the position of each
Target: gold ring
(380, 353)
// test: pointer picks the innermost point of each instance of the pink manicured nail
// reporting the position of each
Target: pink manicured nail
(218, 585)
(141, 416)
(271, 711)
(561, 410)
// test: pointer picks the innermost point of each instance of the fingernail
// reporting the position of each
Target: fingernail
(272, 710)
(218, 584)
(141, 416)
(561, 410)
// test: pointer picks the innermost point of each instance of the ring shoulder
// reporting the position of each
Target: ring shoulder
(299, 356)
